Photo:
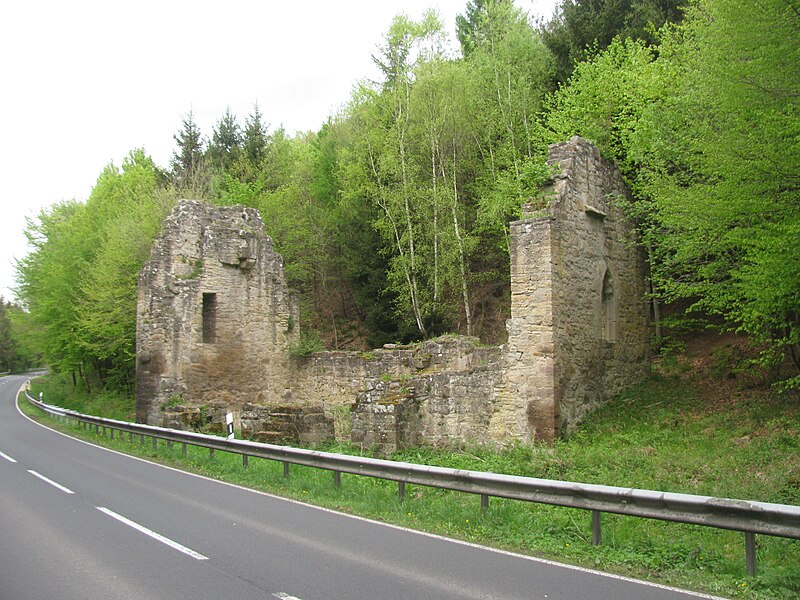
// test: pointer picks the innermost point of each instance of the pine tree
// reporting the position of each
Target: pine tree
(226, 142)
(255, 138)
(187, 159)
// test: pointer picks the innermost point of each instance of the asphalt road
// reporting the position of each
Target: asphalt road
(78, 521)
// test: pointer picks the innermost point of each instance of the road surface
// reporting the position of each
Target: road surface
(79, 521)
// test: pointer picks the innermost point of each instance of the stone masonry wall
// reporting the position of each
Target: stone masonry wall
(214, 314)
(216, 320)
(435, 392)
(578, 332)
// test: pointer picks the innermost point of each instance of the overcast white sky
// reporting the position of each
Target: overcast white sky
(84, 82)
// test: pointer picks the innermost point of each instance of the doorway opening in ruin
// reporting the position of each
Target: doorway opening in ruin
(209, 318)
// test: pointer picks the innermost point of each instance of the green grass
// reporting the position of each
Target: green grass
(58, 390)
(657, 436)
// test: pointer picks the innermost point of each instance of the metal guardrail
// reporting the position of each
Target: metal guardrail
(748, 517)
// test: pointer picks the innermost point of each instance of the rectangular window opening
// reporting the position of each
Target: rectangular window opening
(209, 318)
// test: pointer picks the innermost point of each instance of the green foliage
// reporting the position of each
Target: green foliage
(470, 27)
(59, 390)
(721, 153)
(8, 349)
(226, 142)
(188, 163)
(309, 342)
(605, 98)
(439, 148)
(580, 29)
(254, 140)
(26, 339)
(79, 283)
(705, 130)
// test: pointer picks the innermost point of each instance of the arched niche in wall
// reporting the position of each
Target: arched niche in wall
(609, 307)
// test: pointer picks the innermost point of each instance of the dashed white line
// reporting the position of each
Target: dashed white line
(51, 482)
(149, 532)
(7, 457)
(283, 596)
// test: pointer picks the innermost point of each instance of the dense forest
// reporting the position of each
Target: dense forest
(392, 217)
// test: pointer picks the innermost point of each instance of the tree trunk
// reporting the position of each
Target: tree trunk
(462, 259)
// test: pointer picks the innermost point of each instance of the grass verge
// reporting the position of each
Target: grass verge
(658, 436)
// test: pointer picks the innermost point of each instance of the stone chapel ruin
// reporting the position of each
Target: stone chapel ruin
(215, 320)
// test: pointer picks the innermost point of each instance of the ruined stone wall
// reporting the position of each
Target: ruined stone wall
(527, 404)
(434, 392)
(216, 320)
(579, 332)
(214, 314)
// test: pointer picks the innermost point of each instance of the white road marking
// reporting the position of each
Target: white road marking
(149, 532)
(7, 457)
(283, 596)
(51, 482)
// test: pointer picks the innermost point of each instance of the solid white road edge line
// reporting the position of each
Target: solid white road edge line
(528, 557)
(283, 596)
(7, 457)
(149, 532)
(51, 482)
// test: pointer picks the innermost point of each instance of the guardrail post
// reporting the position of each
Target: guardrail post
(285, 469)
(245, 460)
(112, 433)
(130, 436)
(210, 454)
(183, 450)
(597, 534)
(750, 552)
(401, 490)
(155, 443)
(484, 502)
(337, 478)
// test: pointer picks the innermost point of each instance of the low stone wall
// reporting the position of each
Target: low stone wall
(436, 392)
(427, 393)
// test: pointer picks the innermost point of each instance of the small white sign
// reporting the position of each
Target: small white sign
(229, 423)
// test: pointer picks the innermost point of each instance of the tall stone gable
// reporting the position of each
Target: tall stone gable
(214, 313)
(579, 326)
